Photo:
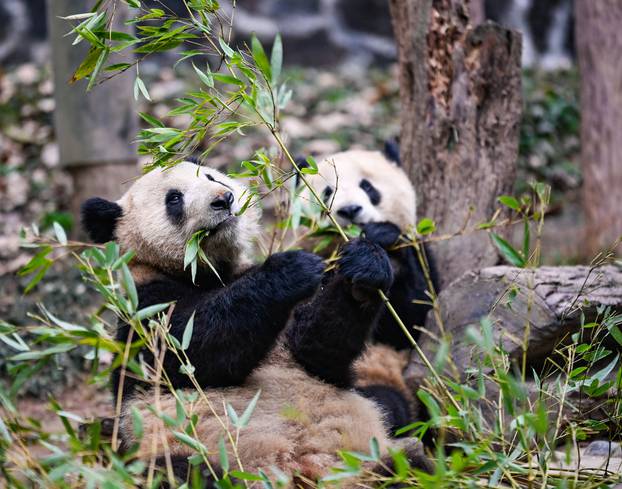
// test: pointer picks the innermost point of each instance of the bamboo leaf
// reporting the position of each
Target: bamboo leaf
(187, 336)
(248, 412)
(206, 77)
(276, 59)
(139, 86)
(260, 58)
(222, 454)
(508, 252)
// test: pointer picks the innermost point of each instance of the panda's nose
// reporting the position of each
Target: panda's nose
(349, 211)
(222, 202)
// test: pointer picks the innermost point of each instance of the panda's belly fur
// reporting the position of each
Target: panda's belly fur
(298, 424)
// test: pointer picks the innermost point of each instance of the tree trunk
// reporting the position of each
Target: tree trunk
(460, 89)
(599, 49)
(477, 11)
(95, 129)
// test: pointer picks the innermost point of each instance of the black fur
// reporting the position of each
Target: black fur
(328, 333)
(99, 218)
(372, 192)
(174, 203)
(392, 402)
(234, 326)
(301, 162)
(392, 151)
(409, 285)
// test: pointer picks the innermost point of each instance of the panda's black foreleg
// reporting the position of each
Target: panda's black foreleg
(408, 289)
(235, 326)
(329, 333)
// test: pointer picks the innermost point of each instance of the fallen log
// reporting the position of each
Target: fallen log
(530, 312)
(532, 307)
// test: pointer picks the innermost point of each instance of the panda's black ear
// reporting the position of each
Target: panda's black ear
(99, 218)
(301, 162)
(194, 159)
(392, 151)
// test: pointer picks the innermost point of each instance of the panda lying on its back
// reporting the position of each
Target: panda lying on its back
(369, 189)
(306, 410)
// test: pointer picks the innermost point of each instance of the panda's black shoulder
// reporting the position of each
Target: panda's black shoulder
(161, 290)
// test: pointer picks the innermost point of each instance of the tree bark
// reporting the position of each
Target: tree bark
(460, 89)
(599, 50)
(95, 129)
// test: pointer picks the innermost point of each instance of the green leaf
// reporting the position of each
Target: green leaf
(246, 415)
(222, 454)
(260, 58)
(225, 47)
(228, 79)
(276, 59)
(189, 441)
(185, 341)
(61, 236)
(137, 424)
(129, 286)
(426, 226)
(98, 66)
(616, 333)
(232, 414)
(526, 240)
(312, 168)
(206, 77)
(509, 201)
(149, 119)
(88, 64)
(508, 252)
(150, 311)
(139, 85)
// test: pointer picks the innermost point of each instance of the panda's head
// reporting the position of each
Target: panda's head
(162, 210)
(364, 186)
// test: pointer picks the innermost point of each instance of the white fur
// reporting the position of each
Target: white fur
(146, 228)
(344, 171)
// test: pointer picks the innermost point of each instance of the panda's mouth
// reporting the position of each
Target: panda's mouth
(225, 223)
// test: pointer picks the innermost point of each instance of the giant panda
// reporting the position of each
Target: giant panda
(371, 190)
(284, 328)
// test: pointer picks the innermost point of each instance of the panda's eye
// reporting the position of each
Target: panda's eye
(174, 197)
(328, 191)
(371, 191)
(210, 178)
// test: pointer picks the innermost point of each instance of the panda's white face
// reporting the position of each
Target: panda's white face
(361, 187)
(163, 209)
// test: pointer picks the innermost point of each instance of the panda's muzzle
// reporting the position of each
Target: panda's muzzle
(223, 202)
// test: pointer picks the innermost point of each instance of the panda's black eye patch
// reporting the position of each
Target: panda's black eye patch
(328, 191)
(174, 202)
(371, 191)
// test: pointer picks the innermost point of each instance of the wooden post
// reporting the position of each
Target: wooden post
(95, 129)
(460, 90)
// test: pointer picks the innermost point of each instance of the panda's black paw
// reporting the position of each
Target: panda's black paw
(385, 234)
(366, 265)
(298, 274)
